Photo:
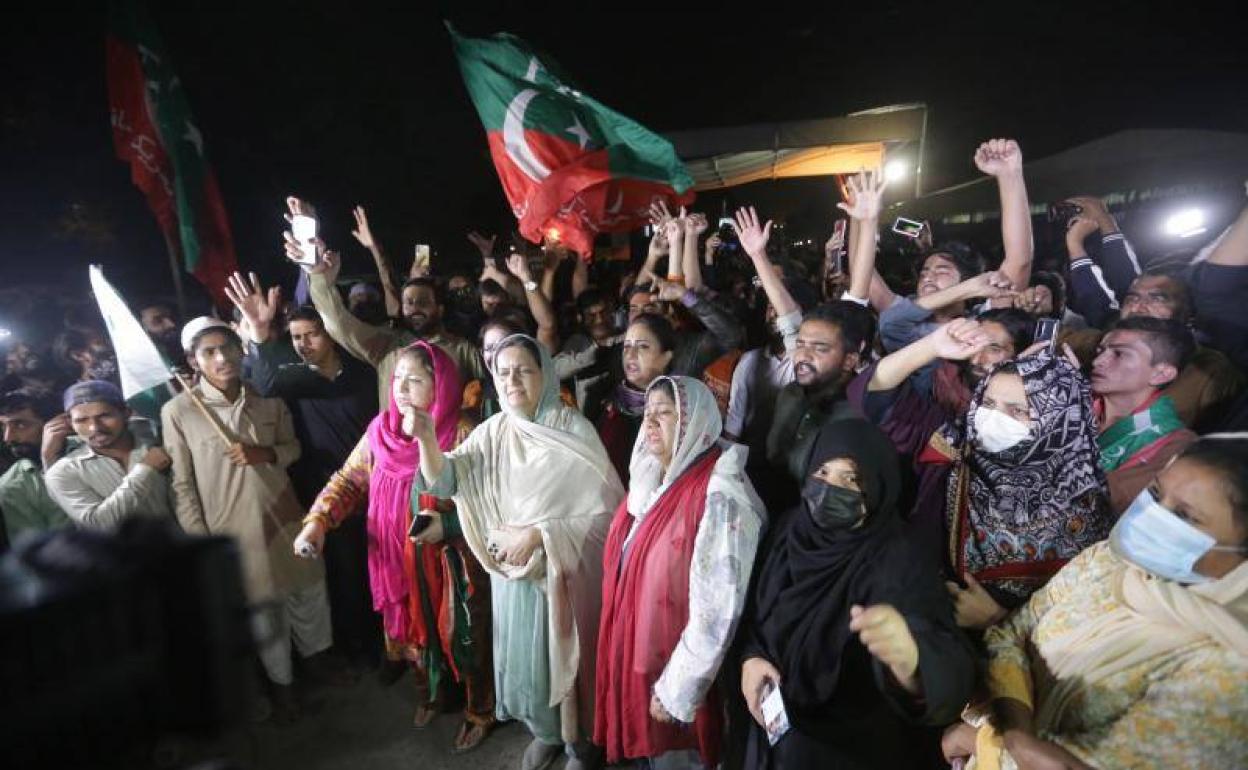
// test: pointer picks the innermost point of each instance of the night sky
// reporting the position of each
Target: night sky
(358, 102)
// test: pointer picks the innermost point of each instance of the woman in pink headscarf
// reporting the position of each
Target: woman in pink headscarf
(432, 594)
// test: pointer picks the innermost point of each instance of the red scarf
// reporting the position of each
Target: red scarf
(645, 608)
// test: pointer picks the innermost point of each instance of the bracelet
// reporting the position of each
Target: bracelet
(319, 518)
(680, 279)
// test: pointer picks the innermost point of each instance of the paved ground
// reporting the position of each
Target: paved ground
(361, 727)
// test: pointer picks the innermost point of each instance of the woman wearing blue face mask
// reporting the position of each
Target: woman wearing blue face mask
(1026, 492)
(1135, 655)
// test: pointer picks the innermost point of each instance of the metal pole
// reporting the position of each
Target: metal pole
(176, 269)
(918, 167)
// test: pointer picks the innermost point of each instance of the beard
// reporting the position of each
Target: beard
(24, 451)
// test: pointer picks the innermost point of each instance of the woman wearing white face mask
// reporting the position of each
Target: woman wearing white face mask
(1135, 655)
(1026, 493)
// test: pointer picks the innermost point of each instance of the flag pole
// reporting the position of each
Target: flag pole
(176, 269)
(203, 408)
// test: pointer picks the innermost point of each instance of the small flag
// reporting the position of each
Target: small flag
(568, 163)
(144, 373)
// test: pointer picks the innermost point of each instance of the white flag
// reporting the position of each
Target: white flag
(138, 360)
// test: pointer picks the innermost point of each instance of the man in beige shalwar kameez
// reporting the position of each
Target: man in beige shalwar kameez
(241, 489)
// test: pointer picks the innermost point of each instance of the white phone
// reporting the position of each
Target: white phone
(775, 718)
(422, 255)
(303, 227)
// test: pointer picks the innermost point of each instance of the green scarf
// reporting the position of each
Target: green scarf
(1135, 431)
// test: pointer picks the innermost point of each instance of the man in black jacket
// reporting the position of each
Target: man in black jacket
(332, 398)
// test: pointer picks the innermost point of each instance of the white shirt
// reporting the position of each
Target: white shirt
(779, 372)
(98, 493)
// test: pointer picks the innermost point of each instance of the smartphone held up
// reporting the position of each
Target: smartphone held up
(304, 228)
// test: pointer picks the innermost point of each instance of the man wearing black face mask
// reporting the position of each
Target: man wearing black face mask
(24, 500)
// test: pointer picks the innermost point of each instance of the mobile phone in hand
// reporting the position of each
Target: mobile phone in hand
(420, 522)
(907, 228)
(1047, 330)
(775, 718)
(422, 255)
(304, 228)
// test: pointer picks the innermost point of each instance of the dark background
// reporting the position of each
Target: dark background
(363, 103)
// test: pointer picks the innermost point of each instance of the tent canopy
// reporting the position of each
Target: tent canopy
(1125, 168)
(725, 157)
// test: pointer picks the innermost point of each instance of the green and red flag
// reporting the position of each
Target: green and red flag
(568, 163)
(154, 132)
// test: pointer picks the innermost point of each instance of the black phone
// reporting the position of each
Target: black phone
(420, 523)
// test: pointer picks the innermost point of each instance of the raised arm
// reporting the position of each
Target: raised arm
(1003, 159)
(695, 225)
(864, 210)
(1090, 296)
(674, 230)
(957, 340)
(754, 240)
(993, 284)
(1232, 250)
(364, 234)
(365, 342)
(539, 304)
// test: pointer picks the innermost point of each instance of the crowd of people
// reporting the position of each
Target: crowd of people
(727, 505)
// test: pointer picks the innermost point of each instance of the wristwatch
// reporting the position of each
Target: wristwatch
(530, 285)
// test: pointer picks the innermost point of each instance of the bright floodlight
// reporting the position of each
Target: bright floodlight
(1186, 223)
(895, 170)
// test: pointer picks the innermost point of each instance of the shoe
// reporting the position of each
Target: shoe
(587, 757)
(471, 735)
(285, 704)
(539, 755)
(425, 714)
(391, 671)
(327, 668)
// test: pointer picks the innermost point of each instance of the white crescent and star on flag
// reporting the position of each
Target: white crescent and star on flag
(514, 142)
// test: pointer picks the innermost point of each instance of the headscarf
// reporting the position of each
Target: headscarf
(1154, 617)
(396, 457)
(698, 426)
(548, 471)
(1043, 500)
(629, 400)
(813, 575)
(549, 399)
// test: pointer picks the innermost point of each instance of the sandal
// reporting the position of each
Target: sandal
(470, 735)
(425, 714)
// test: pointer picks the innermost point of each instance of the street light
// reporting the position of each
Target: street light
(1185, 223)
(895, 170)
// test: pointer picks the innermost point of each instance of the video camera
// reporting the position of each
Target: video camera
(1062, 212)
(111, 641)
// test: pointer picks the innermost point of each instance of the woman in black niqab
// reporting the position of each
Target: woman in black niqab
(846, 708)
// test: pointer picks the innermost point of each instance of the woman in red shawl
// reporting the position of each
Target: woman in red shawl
(433, 597)
(675, 572)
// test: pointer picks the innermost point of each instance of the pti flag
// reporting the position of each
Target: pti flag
(567, 162)
(154, 132)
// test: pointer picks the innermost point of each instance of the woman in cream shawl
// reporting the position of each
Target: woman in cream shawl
(535, 492)
(1135, 655)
